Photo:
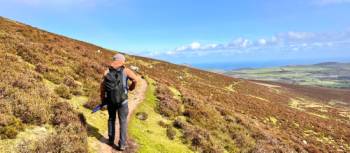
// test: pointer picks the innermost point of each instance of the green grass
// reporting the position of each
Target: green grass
(302, 104)
(97, 122)
(31, 133)
(176, 93)
(303, 75)
(260, 98)
(231, 88)
(148, 134)
(273, 120)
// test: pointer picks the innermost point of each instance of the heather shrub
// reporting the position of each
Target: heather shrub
(76, 91)
(53, 77)
(9, 126)
(63, 91)
(74, 87)
(178, 124)
(89, 68)
(94, 100)
(23, 84)
(29, 55)
(69, 136)
(68, 139)
(90, 87)
(31, 108)
(167, 105)
(5, 105)
(63, 114)
(70, 82)
(170, 132)
(201, 140)
(41, 68)
(162, 124)
(241, 137)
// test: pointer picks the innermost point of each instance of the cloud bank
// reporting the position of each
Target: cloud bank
(288, 42)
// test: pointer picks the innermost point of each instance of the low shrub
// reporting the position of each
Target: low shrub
(63, 114)
(29, 55)
(162, 124)
(41, 68)
(178, 124)
(68, 139)
(94, 100)
(53, 77)
(63, 91)
(5, 105)
(22, 84)
(9, 126)
(170, 132)
(167, 105)
(70, 82)
(76, 91)
(32, 109)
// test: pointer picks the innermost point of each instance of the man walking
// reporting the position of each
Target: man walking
(114, 92)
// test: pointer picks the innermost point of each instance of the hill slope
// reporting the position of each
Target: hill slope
(42, 75)
(330, 74)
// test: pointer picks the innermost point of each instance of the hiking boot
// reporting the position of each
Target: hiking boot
(111, 143)
(122, 148)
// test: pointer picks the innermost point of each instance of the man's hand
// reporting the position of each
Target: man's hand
(132, 86)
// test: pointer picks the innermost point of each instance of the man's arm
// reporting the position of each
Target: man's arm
(132, 76)
(102, 92)
(102, 88)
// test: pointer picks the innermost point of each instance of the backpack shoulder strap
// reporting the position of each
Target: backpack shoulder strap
(125, 79)
(110, 68)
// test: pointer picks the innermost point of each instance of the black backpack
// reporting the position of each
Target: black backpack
(114, 86)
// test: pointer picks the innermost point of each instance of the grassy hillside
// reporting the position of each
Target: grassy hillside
(333, 75)
(46, 79)
(153, 132)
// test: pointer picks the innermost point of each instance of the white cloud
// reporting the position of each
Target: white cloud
(299, 35)
(239, 43)
(195, 45)
(262, 41)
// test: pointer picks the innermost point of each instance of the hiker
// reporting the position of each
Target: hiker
(114, 92)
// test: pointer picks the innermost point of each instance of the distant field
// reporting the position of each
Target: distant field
(333, 75)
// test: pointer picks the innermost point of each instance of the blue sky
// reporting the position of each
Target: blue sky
(199, 31)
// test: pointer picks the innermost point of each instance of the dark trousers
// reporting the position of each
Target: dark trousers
(123, 111)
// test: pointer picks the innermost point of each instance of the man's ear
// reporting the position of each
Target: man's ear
(105, 73)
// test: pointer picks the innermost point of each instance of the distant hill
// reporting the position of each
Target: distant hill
(328, 74)
(328, 63)
(49, 83)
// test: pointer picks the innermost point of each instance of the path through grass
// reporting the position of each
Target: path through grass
(148, 134)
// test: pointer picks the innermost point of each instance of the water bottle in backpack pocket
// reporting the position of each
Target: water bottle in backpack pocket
(114, 84)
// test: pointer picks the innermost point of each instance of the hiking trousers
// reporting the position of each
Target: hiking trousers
(123, 111)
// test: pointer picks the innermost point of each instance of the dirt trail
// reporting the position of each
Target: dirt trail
(135, 98)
